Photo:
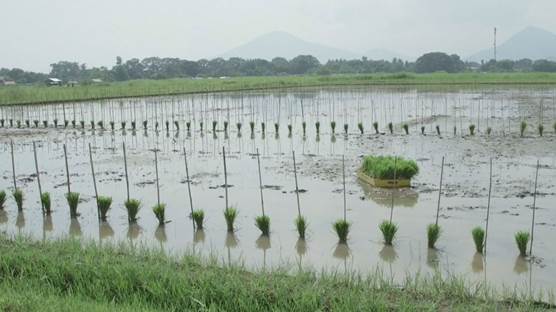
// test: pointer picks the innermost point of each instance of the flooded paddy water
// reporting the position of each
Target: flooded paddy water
(463, 202)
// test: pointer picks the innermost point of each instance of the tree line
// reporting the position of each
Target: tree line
(164, 68)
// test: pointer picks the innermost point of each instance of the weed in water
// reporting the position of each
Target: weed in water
(388, 230)
(433, 233)
(333, 126)
(159, 212)
(18, 197)
(438, 130)
(46, 202)
(230, 215)
(198, 217)
(479, 239)
(2, 199)
(406, 128)
(391, 128)
(360, 127)
(73, 202)
(132, 206)
(472, 129)
(541, 129)
(104, 203)
(263, 223)
(342, 229)
(375, 126)
(522, 128)
(301, 226)
(522, 239)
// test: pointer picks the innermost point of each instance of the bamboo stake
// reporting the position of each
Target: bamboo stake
(67, 168)
(157, 181)
(225, 175)
(260, 181)
(38, 176)
(188, 183)
(488, 206)
(94, 180)
(126, 175)
(296, 185)
(344, 174)
(440, 191)
(534, 209)
(13, 164)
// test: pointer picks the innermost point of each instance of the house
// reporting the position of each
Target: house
(53, 82)
(96, 80)
(6, 82)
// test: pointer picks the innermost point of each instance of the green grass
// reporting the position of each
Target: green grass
(479, 239)
(433, 233)
(301, 226)
(2, 199)
(46, 202)
(263, 224)
(388, 167)
(73, 202)
(104, 203)
(198, 216)
(522, 239)
(132, 206)
(159, 211)
(68, 276)
(18, 197)
(230, 214)
(389, 230)
(342, 229)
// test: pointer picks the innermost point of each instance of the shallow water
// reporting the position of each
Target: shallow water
(463, 202)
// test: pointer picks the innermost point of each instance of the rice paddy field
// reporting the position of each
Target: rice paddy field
(465, 127)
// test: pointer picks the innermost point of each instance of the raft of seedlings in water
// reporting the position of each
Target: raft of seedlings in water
(18, 197)
(301, 226)
(387, 171)
(389, 230)
(342, 229)
(104, 203)
(375, 126)
(263, 224)
(472, 130)
(73, 202)
(230, 215)
(360, 127)
(132, 206)
(2, 199)
(433, 233)
(479, 239)
(198, 216)
(159, 211)
(522, 239)
(522, 128)
(46, 202)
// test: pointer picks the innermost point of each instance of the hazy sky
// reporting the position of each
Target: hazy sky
(36, 33)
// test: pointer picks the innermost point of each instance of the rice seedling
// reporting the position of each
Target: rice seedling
(472, 130)
(522, 128)
(145, 124)
(333, 126)
(18, 197)
(304, 127)
(317, 126)
(391, 128)
(433, 233)
(276, 127)
(27, 123)
(263, 224)
(214, 124)
(230, 215)
(159, 212)
(2, 123)
(438, 130)
(201, 124)
(100, 124)
(132, 206)
(2, 199)
(541, 130)
(112, 125)
(166, 124)
(455, 130)
(18, 124)
(134, 125)
(46, 202)
(198, 216)
(360, 127)
(406, 128)
(346, 128)
(301, 226)
(375, 126)
(156, 125)
(188, 126)
(73, 202)
(522, 239)
(226, 126)
(252, 126)
(423, 130)
(238, 126)
(479, 239)
(342, 229)
(92, 124)
(554, 127)
(11, 122)
(388, 167)
(104, 204)
(177, 125)
(388, 230)
(489, 131)
(263, 127)
(290, 128)
(45, 123)
(36, 122)
(55, 123)
(73, 123)
(82, 123)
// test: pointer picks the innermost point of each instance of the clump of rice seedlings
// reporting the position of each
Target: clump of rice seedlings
(166, 123)
(27, 123)
(46, 202)
(238, 126)
(132, 206)
(541, 129)
(11, 122)
(112, 125)
(36, 122)
(104, 204)
(201, 124)
(263, 223)
(438, 130)
(263, 127)
(55, 123)
(214, 123)
(2, 199)
(276, 127)
(472, 130)
(92, 124)
(489, 131)
(406, 128)
(391, 128)
(522, 128)
(18, 123)
(290, 128)
(145, 124)
(66, 123)
(433, 233)
(82, 123)
(18, 197)
(333, 126)
(342, 229)
(455, 130)
(2, 123)
(188, 126)
(388, 167)
(73, 123)
(226, 126)
(478, 238)
(317, 126)
(230, 215)
(177, 125)
(100, 124)
(360, 127)
(156, 125)
(375, 126)
(304, 127)
(44, 123)
(423, 130)
(346, 128)
(301, 226)
(198, 216)
(159, 211)
(388, 230)
(252, 126)
(522, 239)
(73, 202)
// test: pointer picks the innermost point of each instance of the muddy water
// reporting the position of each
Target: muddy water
(463, 201)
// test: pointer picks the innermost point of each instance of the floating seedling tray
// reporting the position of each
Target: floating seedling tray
(383, 183)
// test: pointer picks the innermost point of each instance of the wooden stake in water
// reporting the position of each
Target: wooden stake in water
(38, 176)
(260, 181)
(344, 181)
(439, 191)
(225, 175)
(188, 182)
(67, 168)
(157, 181)
(94, 179)
(488, 206)
(296, 185)
(125, 167)
(13, 164)
(534, 210)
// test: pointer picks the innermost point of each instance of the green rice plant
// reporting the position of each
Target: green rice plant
(104, 203)
(198, 216)
(388, 167)
(238, 126)
(156, 125)
(304, 127)
(73, 202)
(391, 128)
(433, 233)
(177, 125)
(438, 130)
(11, 122)
(489, 131)
(46, 202)
(2, 199)
(522, 128)
(522, 239)
(132, 206)
(342, 229)
(423, 130)
(478, 238)
(541, 129)
(346, 128)
(276, 127)
(333, 126)
(226, 123)
(214, 123)
(360, 127)
(317, 126)
(472, 130)
(112, 125)
(230, 215)
(388, 230)
(301, 226)
(188, 126)
(159, 212)
(252, 126)
(263, 127)
(406, 128)
(263, 224)
(18, 197)
(375, 126)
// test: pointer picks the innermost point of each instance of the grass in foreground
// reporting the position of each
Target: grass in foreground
(67, 276)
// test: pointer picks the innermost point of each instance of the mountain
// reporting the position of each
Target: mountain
(283, 44)
(387, 55)
(532, 42)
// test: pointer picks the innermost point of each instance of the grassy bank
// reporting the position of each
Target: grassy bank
(135, 88)
(65, 276)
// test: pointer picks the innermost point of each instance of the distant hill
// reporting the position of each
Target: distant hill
(387, 55)
(283, 44)
(532, 42)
